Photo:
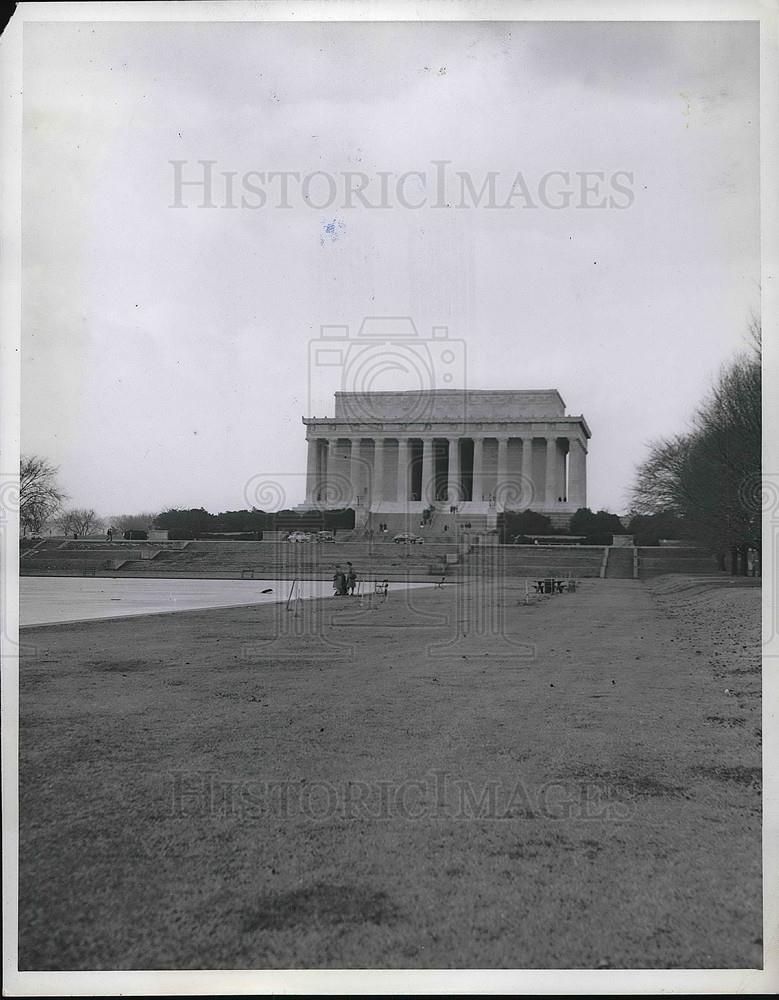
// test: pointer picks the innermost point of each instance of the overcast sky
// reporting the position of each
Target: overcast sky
(165, 350)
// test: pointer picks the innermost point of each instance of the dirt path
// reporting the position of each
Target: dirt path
(382, 791)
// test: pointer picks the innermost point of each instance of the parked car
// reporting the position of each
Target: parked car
(325, 536)
(406, 536)
(299, 536)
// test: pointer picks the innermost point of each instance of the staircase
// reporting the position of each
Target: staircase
(620, 563)
(658, 560)
(479, 523)
(533, 561)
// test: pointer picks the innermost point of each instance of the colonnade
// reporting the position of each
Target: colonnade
(529, 470)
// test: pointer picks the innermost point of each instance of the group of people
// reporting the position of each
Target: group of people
(344, 582)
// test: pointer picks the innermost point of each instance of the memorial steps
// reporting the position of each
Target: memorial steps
(74, 565)
(480, 524)
(42, 545)
(659, 561)
(586, 561)
(80, 556)
(619, 565)
(37, 550)
(535, 561)
(289, 560)
(452, 557)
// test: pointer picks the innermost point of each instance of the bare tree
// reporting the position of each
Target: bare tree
(656, 489)
(79, 521)
(710, 477)
(40, 499)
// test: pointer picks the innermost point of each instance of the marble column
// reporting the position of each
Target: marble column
(562, 454)
(377, 480)
(526, 472)
(550, 497)
(503, 468)
(454, 487)
(324, 468)
(428, 468)
(478, 469)
(355, 469)
(577, 474)
(312, 470)
(402, 469)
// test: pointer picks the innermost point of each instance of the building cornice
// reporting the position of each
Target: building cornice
(539, 426)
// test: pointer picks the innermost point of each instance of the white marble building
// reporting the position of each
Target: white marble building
(481, 451)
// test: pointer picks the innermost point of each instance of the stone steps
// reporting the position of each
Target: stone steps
(620, 563)
(533, 561)
(657, 561)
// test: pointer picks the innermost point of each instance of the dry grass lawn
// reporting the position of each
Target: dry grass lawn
(582, 791)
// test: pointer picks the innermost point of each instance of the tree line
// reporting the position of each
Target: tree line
(709, 478)
(588, 527)
(703, 486)
(42, 508)
(199, 523)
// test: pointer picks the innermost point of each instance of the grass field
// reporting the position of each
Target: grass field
(581, 791)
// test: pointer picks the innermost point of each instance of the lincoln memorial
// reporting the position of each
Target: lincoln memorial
(479, 451)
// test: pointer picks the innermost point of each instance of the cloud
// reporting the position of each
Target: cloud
(143, 323)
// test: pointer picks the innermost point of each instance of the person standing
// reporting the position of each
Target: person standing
(351, 579)
(339, 582)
